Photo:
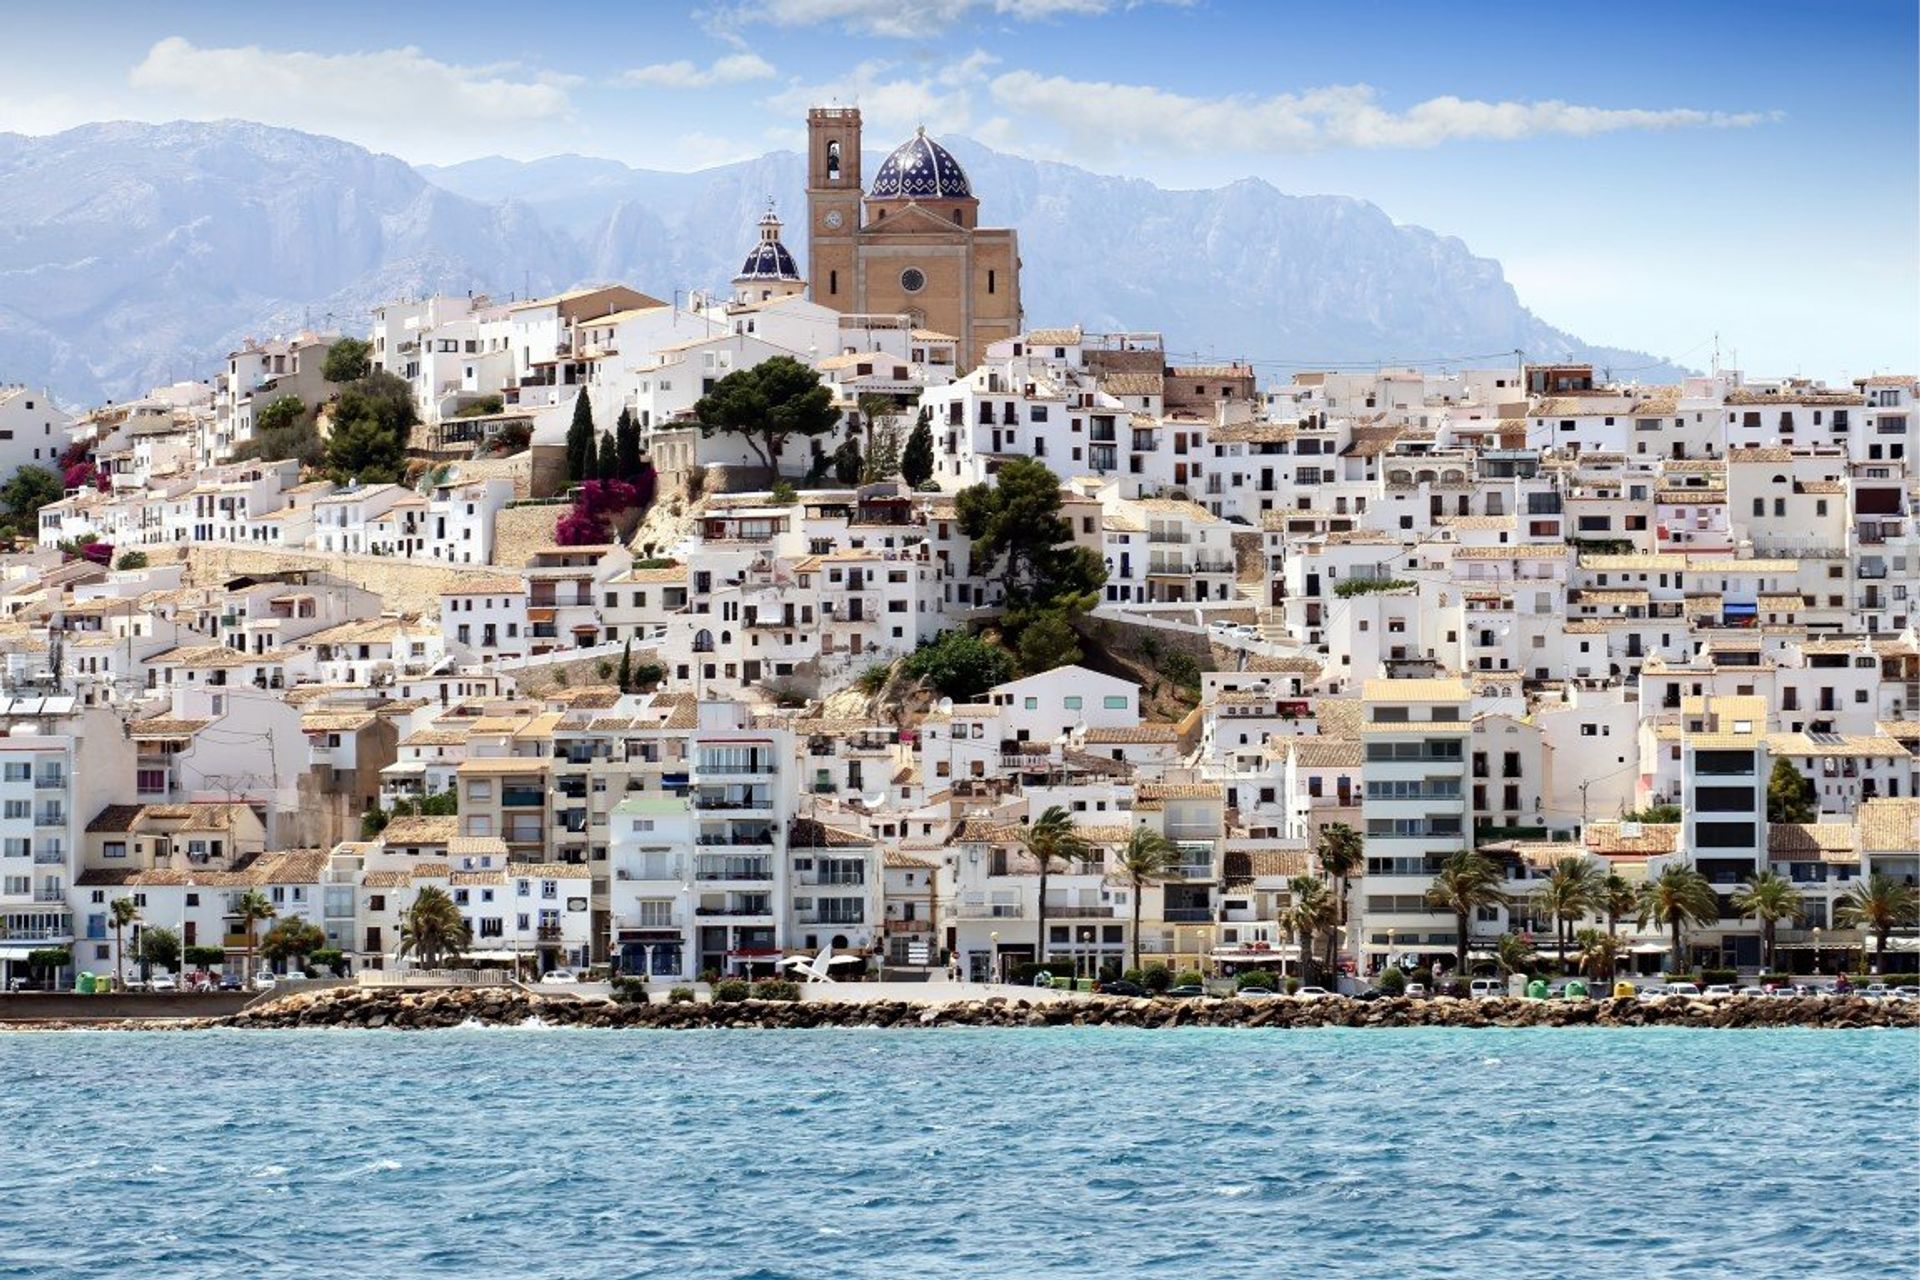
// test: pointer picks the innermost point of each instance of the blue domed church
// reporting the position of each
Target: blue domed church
(911, 243)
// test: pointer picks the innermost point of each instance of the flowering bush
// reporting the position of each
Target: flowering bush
(585, 524)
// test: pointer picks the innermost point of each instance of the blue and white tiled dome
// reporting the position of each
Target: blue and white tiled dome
(920, 169)
(769, 259)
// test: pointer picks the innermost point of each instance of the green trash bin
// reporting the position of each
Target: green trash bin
(1537, 990)
(1575, 990)
(83, 985)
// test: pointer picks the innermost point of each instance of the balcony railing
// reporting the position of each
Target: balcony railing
(1187, 915)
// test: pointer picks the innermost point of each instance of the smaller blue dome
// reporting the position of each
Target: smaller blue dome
(769, 260)
(920, 169)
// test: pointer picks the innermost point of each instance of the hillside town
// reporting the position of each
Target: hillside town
(844, 613)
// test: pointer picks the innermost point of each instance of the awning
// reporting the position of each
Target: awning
(493, 955)
(19, 953)
(1649, 948)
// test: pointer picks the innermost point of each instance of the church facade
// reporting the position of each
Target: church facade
(912, 244)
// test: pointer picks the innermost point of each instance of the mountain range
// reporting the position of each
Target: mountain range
(133, 255)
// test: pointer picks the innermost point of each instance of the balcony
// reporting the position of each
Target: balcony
(1079, 911)
(56, 818)
(1187, 915)
(50, 781)
(549, 933)
(50, 857)
(523, 798)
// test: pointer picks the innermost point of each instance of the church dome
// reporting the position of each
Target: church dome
(769, 259)
(921, 169)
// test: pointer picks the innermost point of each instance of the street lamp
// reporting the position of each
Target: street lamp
(1816, 951)
(1389, 960)
(1086, 939)
(993, 957)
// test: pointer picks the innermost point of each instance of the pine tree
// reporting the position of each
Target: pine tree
(846, 462)
(580, 459)
(916, 464)
(606, 466)
(626, 434)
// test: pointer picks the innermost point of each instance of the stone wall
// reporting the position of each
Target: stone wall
(409, 586)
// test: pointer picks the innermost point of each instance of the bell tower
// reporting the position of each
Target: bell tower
(833, 204)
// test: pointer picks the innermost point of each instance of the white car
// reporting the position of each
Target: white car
(1485, 989)
(1313, 993)
(1718, 991)
(1690, 990)
(265, 981)
(163, 982)
(558, 977)
(1416, 991)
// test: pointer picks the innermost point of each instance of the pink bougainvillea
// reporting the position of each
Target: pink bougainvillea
(79, 476)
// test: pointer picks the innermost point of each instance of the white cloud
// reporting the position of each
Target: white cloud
(907, 19)
(891, 104)
(735, 68)
(398, 99)
(1105, 118)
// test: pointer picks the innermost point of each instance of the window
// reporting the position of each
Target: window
(1072, 703)
(913, 280)
(1114, 702)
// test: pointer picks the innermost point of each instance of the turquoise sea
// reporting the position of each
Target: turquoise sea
(992, 1154)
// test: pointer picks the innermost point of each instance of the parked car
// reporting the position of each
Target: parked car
(558, 977)
(1416, 991)
(1876, 991)
(1688, 989)
(1187, 992)
(1906, 993)
(1653, 991)
(1121, 987)
(1718, 991)
(1369, 995)
(1485, 988)
(163, 982)
(1313, 993)
(1256, 993)
(265, 980)
(230, 982)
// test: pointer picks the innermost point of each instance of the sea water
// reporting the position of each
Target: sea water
(960, 1153)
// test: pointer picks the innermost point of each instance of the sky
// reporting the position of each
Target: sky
(1649, 175)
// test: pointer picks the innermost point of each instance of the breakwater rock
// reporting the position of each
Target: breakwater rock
(500, 1006)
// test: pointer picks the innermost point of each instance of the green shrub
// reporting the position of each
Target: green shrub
(1255, 979)
(1392, 981)
(1293, 985)
(1024, 971)
(709, 976)
(1134, 976)
(1680, 975)
(1710, 976)
(1156, 977)
(630, 989)
(1659, 813)
(680, 995)
(1350, 587)
(874, 678)
(206, 957)
(333, 960)
(1182, 670)
(731, 991)
(776, 989)
(131, 560)
(1188, 978)
(784, 494)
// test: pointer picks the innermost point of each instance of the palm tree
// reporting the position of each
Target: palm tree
(433, 928)
(1513, 955)
(1466, 883)
(1599, 953)
(1310, 910)
(252, 908)
(1341, 853)
(1146, 855)
(1051, 837)
(1617, 899)
(1679, 896)
(120, 913)
(1572, 885)
(1769, 897)
(1880, 904)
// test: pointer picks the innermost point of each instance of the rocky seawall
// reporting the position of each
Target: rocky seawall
(388, 1008)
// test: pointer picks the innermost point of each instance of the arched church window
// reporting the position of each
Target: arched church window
(833, 161)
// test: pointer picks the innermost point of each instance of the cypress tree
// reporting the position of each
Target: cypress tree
(916, 463)
(626, 666)
(606, 466)
(580, 460)
(626, 435)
